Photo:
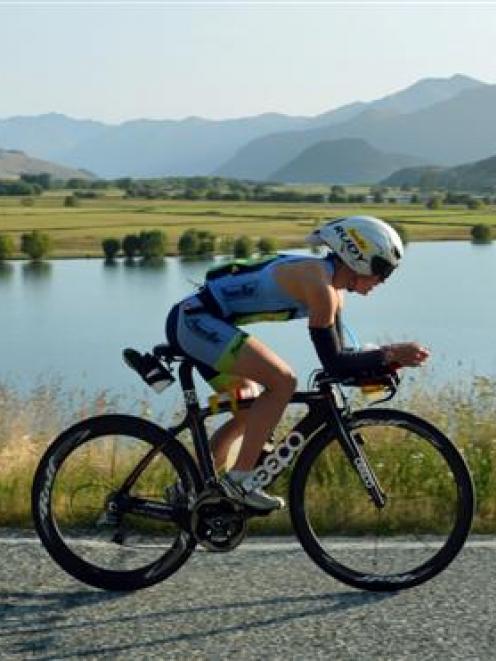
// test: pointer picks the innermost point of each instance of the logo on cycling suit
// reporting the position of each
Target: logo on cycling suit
(275, 462)
(348, 244)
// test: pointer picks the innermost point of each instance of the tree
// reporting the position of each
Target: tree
(206, 243)
(243, 246)
(194, 243)
(481, 233)
(36, 244)
(130, 245)
(153, 244)
(19, 188)
(267, 245)
(76, 183)
(42, 179)
(110, 247)
(226, 245)
(434, 202)
(124, 183)
(188, 243)
(71, 201)
(6, 246)
(474, 203)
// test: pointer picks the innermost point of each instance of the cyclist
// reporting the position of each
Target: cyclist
(364, 251)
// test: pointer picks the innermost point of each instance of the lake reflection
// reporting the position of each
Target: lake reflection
(73, 317)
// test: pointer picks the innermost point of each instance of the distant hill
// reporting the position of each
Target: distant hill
(449, 132)
(345, 161)
(13, 163)
(479, 176)
(254, 147)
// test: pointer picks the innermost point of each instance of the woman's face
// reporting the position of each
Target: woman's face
(362, 284)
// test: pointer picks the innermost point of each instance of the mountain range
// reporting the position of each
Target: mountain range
(13, 163)
(478, 176)
(438, 121)
(349, 161)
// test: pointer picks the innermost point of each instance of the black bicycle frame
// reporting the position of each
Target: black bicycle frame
(324, 412)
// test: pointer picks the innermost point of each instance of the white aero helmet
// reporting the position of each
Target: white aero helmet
(369, 246)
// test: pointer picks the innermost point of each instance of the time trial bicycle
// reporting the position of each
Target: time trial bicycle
(378, 498)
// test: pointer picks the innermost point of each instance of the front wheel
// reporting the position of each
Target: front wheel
(428, 511)
(101, 502)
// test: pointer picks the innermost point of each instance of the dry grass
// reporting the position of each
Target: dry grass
(28, 423)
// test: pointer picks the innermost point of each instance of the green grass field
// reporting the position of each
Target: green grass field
(78, 232)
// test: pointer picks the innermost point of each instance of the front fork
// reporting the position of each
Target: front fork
(352, 444)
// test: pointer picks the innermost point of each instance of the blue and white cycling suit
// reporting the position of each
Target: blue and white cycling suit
(204, 326)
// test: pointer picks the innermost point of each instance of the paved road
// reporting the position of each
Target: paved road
(263, 601)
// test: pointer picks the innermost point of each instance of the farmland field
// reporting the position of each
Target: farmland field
(79, 231)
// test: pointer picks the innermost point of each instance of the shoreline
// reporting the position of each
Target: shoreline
(290, 246)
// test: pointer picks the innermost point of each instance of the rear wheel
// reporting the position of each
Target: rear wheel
(428, 512)
(100, 533)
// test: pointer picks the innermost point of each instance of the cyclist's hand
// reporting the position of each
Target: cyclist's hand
(406, 354)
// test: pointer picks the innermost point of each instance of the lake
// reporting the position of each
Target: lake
(72, 318)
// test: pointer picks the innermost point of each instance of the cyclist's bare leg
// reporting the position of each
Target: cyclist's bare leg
(260, 364)
(225, 436)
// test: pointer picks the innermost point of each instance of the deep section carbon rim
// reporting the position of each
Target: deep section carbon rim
(78, 477)
(428, 511)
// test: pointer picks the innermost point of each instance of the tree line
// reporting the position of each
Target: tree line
(152, 245)
(192, 243)
(29, 186)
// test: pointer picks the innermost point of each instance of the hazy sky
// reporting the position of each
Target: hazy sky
(114, 61)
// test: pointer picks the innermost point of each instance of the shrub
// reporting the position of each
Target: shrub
(27, 201)
(130, 245)
(243, 247)
(71, 201)
(435, 202)
(153, 244)
(267, 245)
(188, 243)
(474, 203)
(194, 243)
(481, 233)
(206, 243)
(6, 246)
(226, 245)
(36, 244)
(110, 247)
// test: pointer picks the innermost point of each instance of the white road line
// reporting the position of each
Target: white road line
(256, 545)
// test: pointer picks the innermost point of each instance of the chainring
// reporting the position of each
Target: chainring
(217, 523)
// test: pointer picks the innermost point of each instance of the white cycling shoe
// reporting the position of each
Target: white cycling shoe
(254, 498)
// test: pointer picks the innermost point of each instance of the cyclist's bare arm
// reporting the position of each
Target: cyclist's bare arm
(309, 283)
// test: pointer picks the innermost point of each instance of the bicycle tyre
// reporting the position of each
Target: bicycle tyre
(49, 529)
(439, 447)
